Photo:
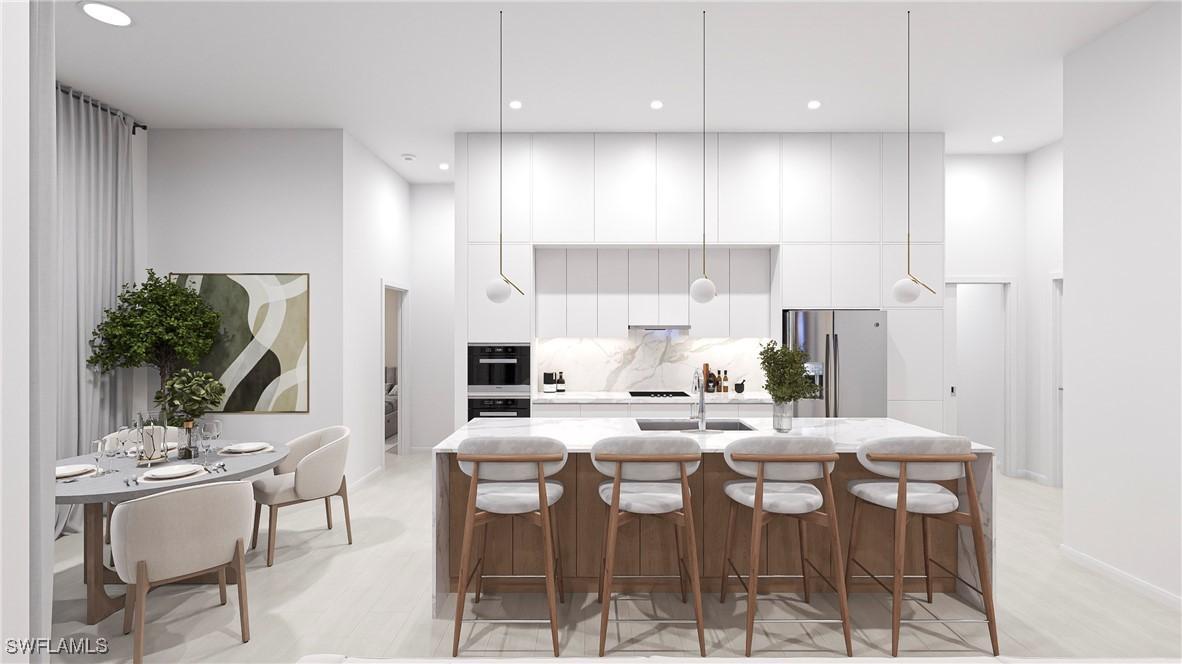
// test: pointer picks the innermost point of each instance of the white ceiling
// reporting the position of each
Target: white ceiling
(405, 77)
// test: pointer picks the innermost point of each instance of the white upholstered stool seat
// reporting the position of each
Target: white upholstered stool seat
(275, 489)
(778, 497)
(922, 497)
(514, 497)
(644, 497)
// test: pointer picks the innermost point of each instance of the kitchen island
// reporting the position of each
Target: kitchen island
(648, 547)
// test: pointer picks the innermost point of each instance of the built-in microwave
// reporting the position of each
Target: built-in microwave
(498, 368)
(497, 407)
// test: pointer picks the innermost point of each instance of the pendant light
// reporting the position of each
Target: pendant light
(497, 288)
(907, 289)
(703, 289)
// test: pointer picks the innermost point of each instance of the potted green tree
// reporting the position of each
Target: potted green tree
(787, 381)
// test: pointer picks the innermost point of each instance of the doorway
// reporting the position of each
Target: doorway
(393, 328)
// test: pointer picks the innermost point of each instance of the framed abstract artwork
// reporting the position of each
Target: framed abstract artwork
(261, 355)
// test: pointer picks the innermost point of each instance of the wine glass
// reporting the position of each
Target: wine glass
(96, 449)
(205, 442)
(112, 449)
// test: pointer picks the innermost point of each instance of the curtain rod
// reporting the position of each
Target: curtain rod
(82, 96)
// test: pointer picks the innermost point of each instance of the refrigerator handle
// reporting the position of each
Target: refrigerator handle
(827, 378)
(836, 376)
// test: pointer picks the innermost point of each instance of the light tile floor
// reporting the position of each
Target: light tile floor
(373, 599)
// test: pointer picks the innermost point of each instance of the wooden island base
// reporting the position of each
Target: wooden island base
(647, 547)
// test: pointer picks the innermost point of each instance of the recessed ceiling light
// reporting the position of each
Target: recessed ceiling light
(406, 156)
(106, 14)
(656, 104)
(998, 139)
(814, 105)
(443, 166)
(515, 104)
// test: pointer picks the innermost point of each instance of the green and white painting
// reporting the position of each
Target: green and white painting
(261, 355)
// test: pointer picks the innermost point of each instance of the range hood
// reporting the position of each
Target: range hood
(659, 326)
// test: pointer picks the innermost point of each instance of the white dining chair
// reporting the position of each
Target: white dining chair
(781, 469)
(314, 469)
(176, 535)
(917, 464)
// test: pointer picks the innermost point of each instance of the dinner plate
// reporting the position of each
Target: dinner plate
(245, 448)
(72, 470)
(172, 472)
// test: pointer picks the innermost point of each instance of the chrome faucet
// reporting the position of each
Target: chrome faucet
(699, 386)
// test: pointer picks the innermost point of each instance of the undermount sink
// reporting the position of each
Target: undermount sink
(691, 426)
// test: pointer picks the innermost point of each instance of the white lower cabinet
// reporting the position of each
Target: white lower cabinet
(659, 410)
(727, 411)
(555, 410)
(508, 321)
(604, 410)
(755, 410)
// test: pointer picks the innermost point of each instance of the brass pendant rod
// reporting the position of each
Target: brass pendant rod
(704, 143)
(501, 150)
(909, 275)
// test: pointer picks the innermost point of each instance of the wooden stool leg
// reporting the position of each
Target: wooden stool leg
(605, 595)
(272, 523)
(480, 563)
(254, 538)
(804, 568)
(927, 557)
(328, 510)
(694, 569)
(558, 559)
(677, 533)
(900, 552)
(849, 559)
(603, 548)
(725, 574)
(982, 556)
(548, 556)
(753, 571)
(839, 574)
(465, 558)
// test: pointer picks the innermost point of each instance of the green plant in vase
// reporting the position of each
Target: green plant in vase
(187, 395)
(787, 381)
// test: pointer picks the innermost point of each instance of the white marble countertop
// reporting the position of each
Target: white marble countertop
(748, 396)
(580, 433)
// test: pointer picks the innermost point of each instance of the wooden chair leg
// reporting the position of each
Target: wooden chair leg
(548, 563)
(677, 533)
(853, 541)
(254, 538)
(725, 575)
(927, 557)
(141, 607)
(239, 565)
(801, 532)
(328, 510)
(465, 560)
(691, 544)
(608, 567)
(128, 608)
(557, 558)
(272, 523)
(344, 493)
(753, 573)
(222, 585)
(479, 587)
(982, 556)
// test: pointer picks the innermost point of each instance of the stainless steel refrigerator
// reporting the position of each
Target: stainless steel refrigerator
(847, 357)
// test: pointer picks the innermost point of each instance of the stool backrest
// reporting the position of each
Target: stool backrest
(511, 470)
(780, 446)
(917, 446)
(646, 446)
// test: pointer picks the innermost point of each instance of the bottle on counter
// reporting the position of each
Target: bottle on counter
(711, 382)
(726, 382)
(549, 386)
(561, 384)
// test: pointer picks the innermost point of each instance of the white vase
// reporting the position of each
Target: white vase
(782, 416)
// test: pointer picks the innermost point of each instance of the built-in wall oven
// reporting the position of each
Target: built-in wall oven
(498, 369)
(497, 407)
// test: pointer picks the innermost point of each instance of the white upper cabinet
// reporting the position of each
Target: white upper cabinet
(551, 285)
(509, 321)
(711, 319)
(625, 188)
(582, 314)
(484, 184)
(805, 273)
(750, 292)
(806, 189)
(749, 188)
(642, 287)
(927, 187)
(857, 188)
(679, 187)
(856, 275)
(612, 293)
(563, 188)
(673, 286)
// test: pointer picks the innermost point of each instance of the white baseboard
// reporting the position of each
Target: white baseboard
(1032, 476)
(367, 477)
(1142, 586)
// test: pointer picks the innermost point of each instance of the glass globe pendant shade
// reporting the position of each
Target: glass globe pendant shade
(905, 290)
(703, 290)
(497, 290)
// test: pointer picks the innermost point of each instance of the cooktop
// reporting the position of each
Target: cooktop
(657, 393)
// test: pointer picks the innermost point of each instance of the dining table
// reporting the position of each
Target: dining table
(124, 481)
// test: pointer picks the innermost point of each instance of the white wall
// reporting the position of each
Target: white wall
(376, 249)
(1122, 377)
(431, 319)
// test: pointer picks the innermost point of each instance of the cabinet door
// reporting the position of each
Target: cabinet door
(555, 410)
(581, 307)
(604, 410)
(673, 286)
(563, 187)
(642, 287)
(625, 188)
(612, 293)
(508, 321)
(805, 274)
(915, 355)
(484, 185)
(749, 188)
(659, 410)
(806, 189)
(927, 187)
(751, 286)
(711, 319)
(856, 276)
(679, 187)
(550, 282)
(857, 188)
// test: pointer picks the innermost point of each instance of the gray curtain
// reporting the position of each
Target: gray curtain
(82, 258)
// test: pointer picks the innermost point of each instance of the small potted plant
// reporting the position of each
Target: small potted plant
(787, 381)
(185, 397)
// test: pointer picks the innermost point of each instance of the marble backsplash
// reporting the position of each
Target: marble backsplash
(653, 360)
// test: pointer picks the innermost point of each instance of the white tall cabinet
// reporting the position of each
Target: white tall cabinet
(563, 187)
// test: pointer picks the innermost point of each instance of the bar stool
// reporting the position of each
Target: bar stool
(782, 466)
(650, 477)
(509, 479)
(929, 459)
